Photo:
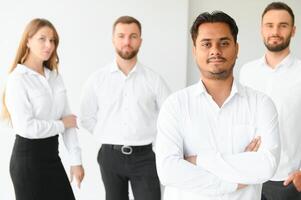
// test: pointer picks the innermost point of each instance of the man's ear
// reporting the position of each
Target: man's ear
(193, 50)
(293, 31)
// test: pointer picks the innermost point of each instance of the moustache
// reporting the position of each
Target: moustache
(218, 58)
(278, 37)
(127, 46)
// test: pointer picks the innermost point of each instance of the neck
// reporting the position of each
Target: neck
(219, 89)
(126, 65)
(274, 58)
(34, 64)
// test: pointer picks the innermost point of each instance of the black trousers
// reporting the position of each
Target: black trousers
(138, 168)
(37, 172)
(274, 190)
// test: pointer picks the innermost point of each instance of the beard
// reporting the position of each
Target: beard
(127, 55)
(218, 74)
(278, 47)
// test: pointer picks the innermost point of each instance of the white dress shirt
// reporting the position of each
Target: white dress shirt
(283, 86)
(120, 109)
(36, 104)
(191, 123)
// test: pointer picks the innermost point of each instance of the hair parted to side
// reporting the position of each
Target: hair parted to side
(127, 20)
(214, 17)
(23, 51)
(279, 6)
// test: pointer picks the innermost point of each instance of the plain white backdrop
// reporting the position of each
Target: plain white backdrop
(85, 29)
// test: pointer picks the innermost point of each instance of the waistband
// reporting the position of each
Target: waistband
(126, 149)
(44, 146)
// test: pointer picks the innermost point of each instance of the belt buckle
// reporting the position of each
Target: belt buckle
(127, 150)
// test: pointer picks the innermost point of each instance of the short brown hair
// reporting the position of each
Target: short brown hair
(279, 6)
(127, 20)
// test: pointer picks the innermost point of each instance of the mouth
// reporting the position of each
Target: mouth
(216, 60)
(127, 48)
(275, 39)
(46, 52)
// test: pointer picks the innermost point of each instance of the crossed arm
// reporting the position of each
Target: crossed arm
(215, 173)
(252, 147)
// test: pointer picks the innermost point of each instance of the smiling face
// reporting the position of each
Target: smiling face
(42, 44)
(127, 40)
(215, 51)
(277, 30)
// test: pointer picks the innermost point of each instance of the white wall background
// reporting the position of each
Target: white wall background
(247, 15)
(85, 32)
(85, 44)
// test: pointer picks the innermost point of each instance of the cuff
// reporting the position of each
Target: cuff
(75, 158)
(60, 126)
(227, 187)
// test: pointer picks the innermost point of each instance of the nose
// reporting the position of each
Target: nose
(275, 30)
(126, 41)
(215, 50)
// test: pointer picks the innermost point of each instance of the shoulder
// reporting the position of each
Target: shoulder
(16, 79)
(152, 77)
(251, 65)
(99, 74)
(257, 97)
(181, 97)
(149, 72)
(298, 62)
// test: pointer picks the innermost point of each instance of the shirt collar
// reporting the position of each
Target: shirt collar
(286, 62)
(115, 68)
(237, 88)
(23, 69)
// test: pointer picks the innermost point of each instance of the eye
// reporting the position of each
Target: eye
(269, 25)
(42, 39)
(134, 36)
(224, 44)
(206, 44)
(283, 25)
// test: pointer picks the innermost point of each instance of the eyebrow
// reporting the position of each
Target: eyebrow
(207, 39)
(278, 23)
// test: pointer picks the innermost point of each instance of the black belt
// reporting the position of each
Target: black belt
(126, 149)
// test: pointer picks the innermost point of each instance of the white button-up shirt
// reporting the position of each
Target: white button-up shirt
(120, 109)
(283, 86)
(36, 104)
(191, 123)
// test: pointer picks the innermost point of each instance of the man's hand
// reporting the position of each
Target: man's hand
(77, 172)
(296, 178)
(254, 145)
(191, 159)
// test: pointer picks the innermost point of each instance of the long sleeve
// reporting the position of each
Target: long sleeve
(173, 170)
(70, 138)
(88, 106)
(162, 91)
(21, 111)
(249, 167)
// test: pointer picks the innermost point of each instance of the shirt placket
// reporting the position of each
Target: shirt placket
(213, 118)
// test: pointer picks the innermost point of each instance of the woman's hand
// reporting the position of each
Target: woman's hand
(78, 173)
(69, 121)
